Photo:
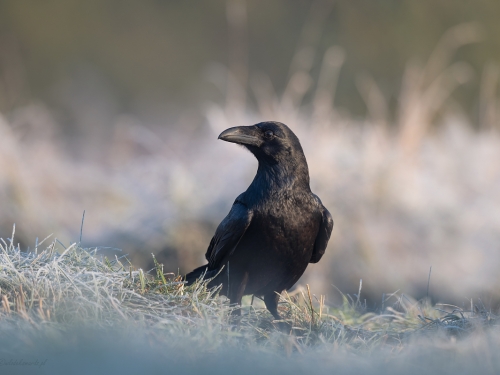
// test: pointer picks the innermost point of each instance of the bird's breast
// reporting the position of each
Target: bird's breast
(289, 227)
(278, 243)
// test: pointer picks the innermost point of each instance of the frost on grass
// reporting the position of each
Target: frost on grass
(47, 294)
(84, 312)
(73, 285)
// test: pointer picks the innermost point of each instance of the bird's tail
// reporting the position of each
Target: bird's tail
(200, 272)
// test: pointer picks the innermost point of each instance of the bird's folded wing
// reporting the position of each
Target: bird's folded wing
(228, 234)
(325, 229)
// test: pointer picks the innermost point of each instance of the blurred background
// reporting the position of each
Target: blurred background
(114, 107)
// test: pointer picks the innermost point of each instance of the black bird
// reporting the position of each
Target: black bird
(275, 228)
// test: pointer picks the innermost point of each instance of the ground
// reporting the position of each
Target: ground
(69, 309)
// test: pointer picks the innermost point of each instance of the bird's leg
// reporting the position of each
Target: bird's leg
(271, 301)
(236, 294)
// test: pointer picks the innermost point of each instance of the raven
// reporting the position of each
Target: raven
(274, 229)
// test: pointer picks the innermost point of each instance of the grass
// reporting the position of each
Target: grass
(72, 299)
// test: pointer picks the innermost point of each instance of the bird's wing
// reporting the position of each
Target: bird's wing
(228, 234)
(325, 229)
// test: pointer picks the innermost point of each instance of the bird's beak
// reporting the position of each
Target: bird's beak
(243, 135)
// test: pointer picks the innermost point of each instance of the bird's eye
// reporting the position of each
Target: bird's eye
(269, 134)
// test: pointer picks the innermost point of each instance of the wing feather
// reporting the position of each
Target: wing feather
(228, 234)
(325, 230)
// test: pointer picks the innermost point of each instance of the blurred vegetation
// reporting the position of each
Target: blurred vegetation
(150, 57)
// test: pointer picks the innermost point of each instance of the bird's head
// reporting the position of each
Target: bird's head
(276, 148)
(271, 142)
